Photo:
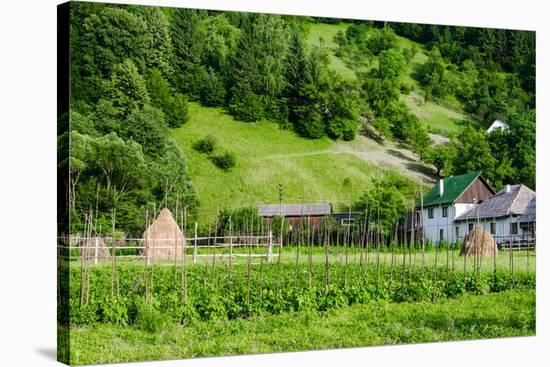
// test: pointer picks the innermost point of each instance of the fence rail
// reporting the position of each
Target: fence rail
(101, 247)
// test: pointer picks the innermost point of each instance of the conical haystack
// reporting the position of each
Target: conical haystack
(93, 247)
(163, 240)
(479, 242)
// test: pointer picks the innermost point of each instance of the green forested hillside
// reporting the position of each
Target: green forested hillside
(317, 105)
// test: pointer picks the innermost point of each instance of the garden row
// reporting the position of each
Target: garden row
(149, 297)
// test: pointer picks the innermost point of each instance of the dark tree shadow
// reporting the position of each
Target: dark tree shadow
(417, 167)
(399, 155)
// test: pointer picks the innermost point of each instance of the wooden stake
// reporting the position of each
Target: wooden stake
(327, 274)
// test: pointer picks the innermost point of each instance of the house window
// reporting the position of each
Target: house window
(457, 232)
(347, 221)
(513, 228)
(470, 227)
(444, 211)
(430, 213)
(493, 227)
(441, 237)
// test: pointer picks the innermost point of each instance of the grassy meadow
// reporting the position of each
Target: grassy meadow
(267, 155)
(505, 314)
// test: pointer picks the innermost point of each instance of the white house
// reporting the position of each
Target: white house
(498, 124)
(449, 199)
(501, 215)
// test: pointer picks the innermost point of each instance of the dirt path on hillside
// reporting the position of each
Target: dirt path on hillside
(389, 155)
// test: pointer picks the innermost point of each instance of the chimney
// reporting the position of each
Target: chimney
(508, 188)
(441, 187)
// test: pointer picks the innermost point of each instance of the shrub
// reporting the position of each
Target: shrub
(205, 145)
(213, 90)
(246, 106)
(225, 160)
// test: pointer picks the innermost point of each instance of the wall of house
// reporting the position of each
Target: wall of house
(432, 226)
(502, 228)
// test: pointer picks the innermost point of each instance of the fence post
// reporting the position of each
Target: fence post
(195, 246)
(270, 248)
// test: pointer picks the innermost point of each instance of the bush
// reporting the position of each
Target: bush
(213, 90)
(205, 145)
(225, 161)
(341, 128)
(176, 111)
(246, 106)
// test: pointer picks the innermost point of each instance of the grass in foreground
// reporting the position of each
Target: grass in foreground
(506, 314)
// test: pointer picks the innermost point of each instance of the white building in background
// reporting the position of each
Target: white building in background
(500, 215)
(498, 124)
(449, 199)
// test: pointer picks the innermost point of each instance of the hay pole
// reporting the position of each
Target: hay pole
(447, 245)
(207, 252)
(184, 255)
(435, 269)
(176, 247)
(377, 247)
(346, 248)
(404, 245)
(214, 251)
(327, 274)
(230, 264)
(362, 243)
(310, 253)
(495, 261)
(82, 261)
(262, 229)
(392, 264)
(89, 236)
(422, 225)
(114, 273)
(411, 242)
(298, 243)
(146, 256)
(152, 288)
(249, 269)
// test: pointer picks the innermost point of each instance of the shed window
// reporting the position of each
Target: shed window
(430, 213)
(513, 228)
(347, 221)
(493, 227)
(444, 212)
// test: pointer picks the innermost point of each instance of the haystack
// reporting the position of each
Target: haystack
(94, 247)
(479, 242)
(163, 240)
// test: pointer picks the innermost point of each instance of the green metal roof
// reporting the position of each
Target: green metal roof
(453, 187)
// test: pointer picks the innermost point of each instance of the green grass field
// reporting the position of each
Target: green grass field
(437, 119)
(267, 155)
(505, 314)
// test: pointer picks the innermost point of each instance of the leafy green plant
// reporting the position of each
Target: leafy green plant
(205, 145)
(225, 160)
(149, 319)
